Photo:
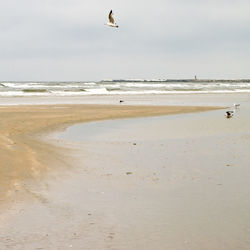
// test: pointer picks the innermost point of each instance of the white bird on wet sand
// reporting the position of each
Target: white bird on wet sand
(236, 105)
(111, 22)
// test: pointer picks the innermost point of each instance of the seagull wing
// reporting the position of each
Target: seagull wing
(111, 19)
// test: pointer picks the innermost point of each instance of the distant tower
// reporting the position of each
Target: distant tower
(195, 78)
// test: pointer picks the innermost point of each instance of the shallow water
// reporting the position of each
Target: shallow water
(205, 124)
(189, 178)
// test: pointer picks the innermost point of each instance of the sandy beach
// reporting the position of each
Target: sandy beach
(124, 125)
(24, 156)
(161, 181)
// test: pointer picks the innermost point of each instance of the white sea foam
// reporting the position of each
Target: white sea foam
(97, 91)
(120, 87)
(141, 85)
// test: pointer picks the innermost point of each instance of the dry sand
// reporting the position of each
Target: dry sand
(25, 157)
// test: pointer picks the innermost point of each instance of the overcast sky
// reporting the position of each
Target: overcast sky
(67, 39)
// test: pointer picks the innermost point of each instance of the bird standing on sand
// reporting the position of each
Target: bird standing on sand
(236, 105)
(111, 22)
(229, 114)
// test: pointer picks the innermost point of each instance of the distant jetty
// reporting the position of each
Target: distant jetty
(180, 80)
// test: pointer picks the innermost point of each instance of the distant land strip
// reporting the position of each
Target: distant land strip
(180, 80)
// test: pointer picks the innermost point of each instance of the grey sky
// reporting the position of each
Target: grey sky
(67, 39)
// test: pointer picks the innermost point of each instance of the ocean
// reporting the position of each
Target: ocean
(121, 87)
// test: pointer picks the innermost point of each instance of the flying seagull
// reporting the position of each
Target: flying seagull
(111, 22)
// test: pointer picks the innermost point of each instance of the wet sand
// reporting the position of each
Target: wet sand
(175, 182)
(24, 156)
(171, 182)
(225, 99)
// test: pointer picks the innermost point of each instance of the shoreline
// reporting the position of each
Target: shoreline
(26, 157)
(178, 99)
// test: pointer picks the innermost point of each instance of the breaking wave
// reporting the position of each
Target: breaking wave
(119, 87)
